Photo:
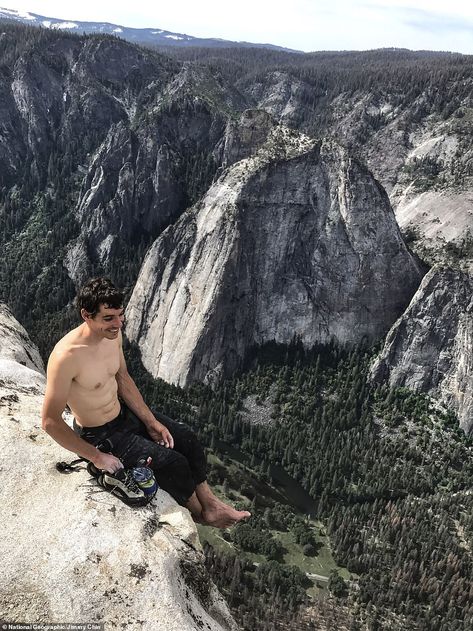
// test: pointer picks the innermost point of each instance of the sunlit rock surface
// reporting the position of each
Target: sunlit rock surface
(74, 552)
(430, 348)
(20, 362)
(297, 239)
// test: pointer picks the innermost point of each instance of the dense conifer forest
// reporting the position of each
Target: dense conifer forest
(390, 477)
(444, 79)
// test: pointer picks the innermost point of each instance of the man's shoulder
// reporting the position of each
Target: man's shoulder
(67, 348)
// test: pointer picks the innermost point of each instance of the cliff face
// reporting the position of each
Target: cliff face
(89, 556)
(122, 137)
(430, 348)
(20, 362)
(150, 167)
(130, 189)
(418, 149)
(297, 239)
(104, 145)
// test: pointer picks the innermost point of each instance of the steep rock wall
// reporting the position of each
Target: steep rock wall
(20, 362)
(430, 348)
(149, 169)
(298, 239)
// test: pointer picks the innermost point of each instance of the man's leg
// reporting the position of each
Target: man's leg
(127, 439)
(214, 512)
(180, 471)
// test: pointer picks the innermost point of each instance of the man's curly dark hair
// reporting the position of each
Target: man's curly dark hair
(96, 292)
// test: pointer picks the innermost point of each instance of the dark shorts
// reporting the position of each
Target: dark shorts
(178, 471)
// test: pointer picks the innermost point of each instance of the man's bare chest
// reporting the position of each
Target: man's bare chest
(96, 371)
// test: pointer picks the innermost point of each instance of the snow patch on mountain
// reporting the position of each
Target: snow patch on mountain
(64, 25)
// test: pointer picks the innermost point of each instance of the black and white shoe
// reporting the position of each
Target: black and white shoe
(121, 484)
(124, 487)
(93, 471)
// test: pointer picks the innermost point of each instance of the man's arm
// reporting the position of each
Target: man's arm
(128, 391)
(61, 371)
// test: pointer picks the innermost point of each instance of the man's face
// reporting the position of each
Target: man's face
(107, 322)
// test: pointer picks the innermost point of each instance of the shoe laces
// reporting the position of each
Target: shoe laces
(126, 476)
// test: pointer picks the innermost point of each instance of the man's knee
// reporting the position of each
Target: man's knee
(164, 458)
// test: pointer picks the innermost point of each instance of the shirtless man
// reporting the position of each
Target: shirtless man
(87, 371)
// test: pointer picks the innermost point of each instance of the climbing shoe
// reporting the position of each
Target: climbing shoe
(122, 484)
(135, 487)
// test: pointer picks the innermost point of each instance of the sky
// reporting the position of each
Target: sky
(307, 25)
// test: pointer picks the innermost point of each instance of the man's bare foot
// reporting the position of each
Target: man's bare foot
(220, 515)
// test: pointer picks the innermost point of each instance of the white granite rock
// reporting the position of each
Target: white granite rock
(71, 551)
(297, 239)
(430, 348)
(20, 361)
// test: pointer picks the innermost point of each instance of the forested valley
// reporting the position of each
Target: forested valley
(443, 80)
(388, 471)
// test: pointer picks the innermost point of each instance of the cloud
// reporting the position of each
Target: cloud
(432, 20)
(436, 22)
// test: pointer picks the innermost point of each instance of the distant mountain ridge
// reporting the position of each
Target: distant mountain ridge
(144, 36)
(108, 148)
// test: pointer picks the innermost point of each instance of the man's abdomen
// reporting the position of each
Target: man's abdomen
(94, 407)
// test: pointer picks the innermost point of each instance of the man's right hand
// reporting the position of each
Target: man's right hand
(107, 462)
